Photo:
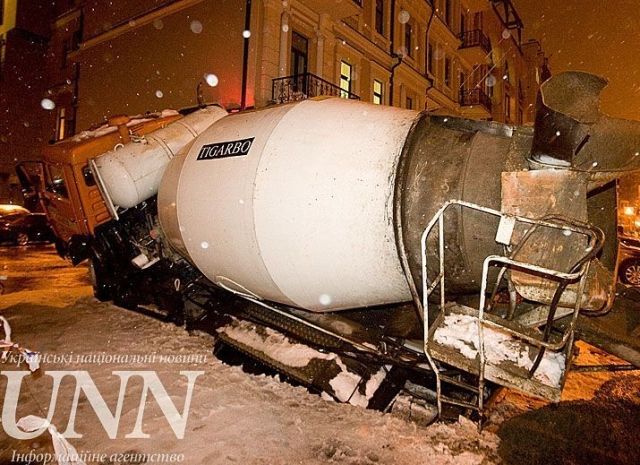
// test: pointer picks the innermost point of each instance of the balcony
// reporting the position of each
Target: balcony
(474, 6)
(304, 86)
(337, 9)
(475, 104)
(475, 46)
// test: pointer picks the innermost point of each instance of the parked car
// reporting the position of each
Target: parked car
(629, 268)
(26, 229)
(7, 210)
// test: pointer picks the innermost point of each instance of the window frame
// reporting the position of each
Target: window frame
(448, 68)
(409, 103)
(379, 17)
(348, 79)
(56, 182)
(61, 123)
(408, 38)
(378, 95)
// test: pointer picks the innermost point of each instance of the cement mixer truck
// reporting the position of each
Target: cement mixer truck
(364, 251)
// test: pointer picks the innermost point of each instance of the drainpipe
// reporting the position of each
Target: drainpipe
(245, 57)
(392, 50)
(391, 78)
(426, 94)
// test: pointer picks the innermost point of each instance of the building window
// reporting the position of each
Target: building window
(380, 16)
(345, 79)
(409, 105)
(448, 13)
(506, 76)
(477, 21)
(463, 23)
(447, 72)
(407, 38)
(520, 93)
(299, 53)
(299, 61)
(377, 92)
(488, 87)
(61, 123)
(55, 181)
(463, 81)
(430, 58)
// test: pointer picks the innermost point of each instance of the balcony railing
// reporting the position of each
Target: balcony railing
(475, 38)
(304, 86)
(475, 96)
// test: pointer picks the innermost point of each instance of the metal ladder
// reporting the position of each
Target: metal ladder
(578, 273)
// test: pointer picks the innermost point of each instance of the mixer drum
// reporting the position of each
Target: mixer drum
(311, 204)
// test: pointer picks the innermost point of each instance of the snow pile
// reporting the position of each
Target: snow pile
(98, 132)
(461, 333)
(235, 417)
(278, 347)
(107, 129)
(345, 385)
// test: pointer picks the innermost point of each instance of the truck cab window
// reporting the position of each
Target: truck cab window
(55, 181)
(87, 174)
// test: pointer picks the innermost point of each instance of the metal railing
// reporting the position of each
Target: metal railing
(304, 86)
(475, 38)
(475, 96)
(577, 274)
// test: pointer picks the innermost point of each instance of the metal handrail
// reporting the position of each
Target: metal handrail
(303, 86)
(428, 289)
(475, 38)
(475, 96)
(543, 271)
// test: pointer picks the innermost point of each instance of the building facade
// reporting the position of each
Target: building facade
(24, 33)
(459, 57)
(103, 58)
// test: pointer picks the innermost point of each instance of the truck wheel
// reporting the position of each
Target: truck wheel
(61, 247)
(22, 239)
(101, 289)
(630, 272)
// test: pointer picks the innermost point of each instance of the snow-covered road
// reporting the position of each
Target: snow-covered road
(235, 417)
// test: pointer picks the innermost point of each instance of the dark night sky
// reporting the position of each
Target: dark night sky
(602, 37)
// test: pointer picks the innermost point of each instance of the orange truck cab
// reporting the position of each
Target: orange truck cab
(65, 186)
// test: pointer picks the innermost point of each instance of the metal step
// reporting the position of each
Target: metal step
(505, 372)
(460, 384)
(459, 403)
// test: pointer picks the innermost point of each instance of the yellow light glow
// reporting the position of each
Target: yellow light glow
(629, 211)
(8, 21)
(636, 223)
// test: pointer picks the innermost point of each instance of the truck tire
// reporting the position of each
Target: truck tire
(61, 247)
(22, 239)
(629, 271)
(99, 281)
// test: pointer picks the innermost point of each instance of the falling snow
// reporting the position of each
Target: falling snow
(196, 27)
(211, 79)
